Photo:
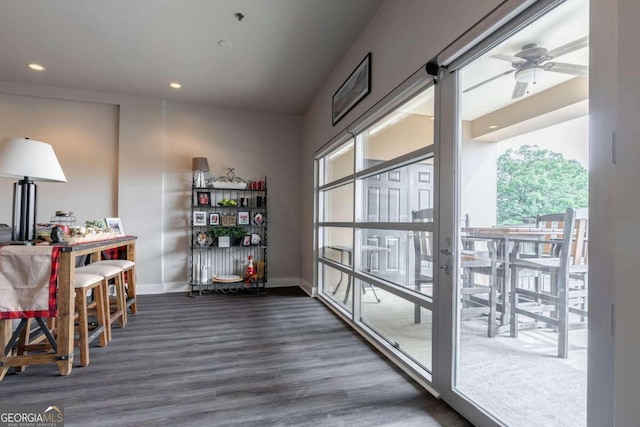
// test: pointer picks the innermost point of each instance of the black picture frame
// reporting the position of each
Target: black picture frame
(214, 219)
(353, 90)
(203, 198)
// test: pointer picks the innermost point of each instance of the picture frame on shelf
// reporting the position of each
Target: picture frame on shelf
(204, 198)
(202, 239)
(352, 91)
(224, 242)
(199, 218)
(246, 240)
(214, 219)
(243, 218)
(115, 224)
(259, 218)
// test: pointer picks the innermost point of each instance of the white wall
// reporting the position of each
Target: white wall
(149, 169)
(570, 138)
(478, 180)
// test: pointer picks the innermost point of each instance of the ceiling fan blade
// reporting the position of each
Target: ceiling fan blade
(573, 69)
(508, 58)
(488, 80)
(569, 47)
(519, 90)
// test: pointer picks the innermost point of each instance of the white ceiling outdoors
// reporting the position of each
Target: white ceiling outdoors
(566, 23)
(281, 53)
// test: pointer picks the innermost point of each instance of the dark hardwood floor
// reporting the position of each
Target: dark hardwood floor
(280, 359)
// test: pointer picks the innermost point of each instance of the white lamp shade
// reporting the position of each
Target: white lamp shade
(21, 157)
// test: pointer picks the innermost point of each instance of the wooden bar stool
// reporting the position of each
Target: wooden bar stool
(129, 268)
(118, 310)
(97, 284)
(83, 283)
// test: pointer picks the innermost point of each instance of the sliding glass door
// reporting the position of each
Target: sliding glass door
(518, 114)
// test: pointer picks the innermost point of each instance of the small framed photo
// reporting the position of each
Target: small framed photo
(246, 240)
(224, 242)
(214, 219)
(204, 198)
(115, 224)
(243, 218)
(199, 218)
(259, 218)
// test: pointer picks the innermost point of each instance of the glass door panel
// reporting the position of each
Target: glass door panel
(337, 204)
(408, 128)
(520, 322)
(336, 285)
(403, 324)
(337, 164)
(375, 227)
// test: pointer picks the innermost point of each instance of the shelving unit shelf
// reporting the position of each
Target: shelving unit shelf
(218, 264)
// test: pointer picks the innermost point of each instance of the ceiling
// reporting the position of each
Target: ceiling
(564, 24)
(276, 59)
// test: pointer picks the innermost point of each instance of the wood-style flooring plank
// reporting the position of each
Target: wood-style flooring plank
(280, 359)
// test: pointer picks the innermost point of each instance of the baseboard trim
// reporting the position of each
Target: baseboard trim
(283, 282)
(173, 287)
(308, 288)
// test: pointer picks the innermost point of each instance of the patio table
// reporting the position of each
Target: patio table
(507, 244)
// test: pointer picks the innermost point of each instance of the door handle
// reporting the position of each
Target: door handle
(446, 267)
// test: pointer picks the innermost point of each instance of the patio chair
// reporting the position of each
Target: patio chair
(564, 262)
(471, 304)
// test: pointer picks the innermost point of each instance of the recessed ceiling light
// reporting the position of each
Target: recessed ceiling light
(224, 43)
(36, 67)
(175, 85)
(493, 127)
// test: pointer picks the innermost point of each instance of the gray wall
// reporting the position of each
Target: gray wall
(77, 131)
(402, 36)
(255, 144)
(131, 157)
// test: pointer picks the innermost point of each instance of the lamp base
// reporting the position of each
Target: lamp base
(24, 211)
(22, 243)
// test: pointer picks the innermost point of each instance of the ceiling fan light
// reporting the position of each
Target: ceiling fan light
(529, 74)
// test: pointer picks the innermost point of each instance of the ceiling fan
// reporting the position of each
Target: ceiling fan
(533, 61)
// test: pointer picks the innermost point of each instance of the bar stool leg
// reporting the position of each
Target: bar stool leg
(131, 289)
(101, 308)
(81, 308)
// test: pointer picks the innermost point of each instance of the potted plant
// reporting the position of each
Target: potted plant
(235, 234)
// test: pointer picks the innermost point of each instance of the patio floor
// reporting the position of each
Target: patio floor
(520, 380)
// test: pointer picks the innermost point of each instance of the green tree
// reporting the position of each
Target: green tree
(534, 181)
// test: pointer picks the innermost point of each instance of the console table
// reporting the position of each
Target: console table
(63, 357)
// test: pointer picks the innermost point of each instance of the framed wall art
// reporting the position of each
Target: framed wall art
(352, 91)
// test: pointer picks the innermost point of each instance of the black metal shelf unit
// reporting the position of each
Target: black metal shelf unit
(228, 225)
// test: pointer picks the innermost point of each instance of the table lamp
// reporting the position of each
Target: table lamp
(29, 160)
(199, 165)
